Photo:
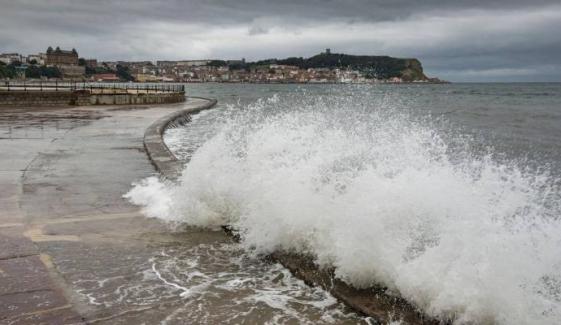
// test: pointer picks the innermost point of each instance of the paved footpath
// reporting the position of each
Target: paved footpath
(72, 250)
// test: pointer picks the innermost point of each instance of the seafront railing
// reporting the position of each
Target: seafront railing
(97, 87)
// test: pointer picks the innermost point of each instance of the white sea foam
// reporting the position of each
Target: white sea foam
(381, 198)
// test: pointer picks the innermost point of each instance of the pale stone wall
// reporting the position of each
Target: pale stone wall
(83, 98)
(45, 98)
(136, 99)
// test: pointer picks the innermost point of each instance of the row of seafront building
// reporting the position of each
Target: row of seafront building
(66, 61)
(206, 71)
(74, 68)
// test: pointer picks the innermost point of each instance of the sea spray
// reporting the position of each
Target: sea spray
(362, 186)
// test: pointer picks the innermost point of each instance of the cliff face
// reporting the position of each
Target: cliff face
(413, 70)
(379, 67)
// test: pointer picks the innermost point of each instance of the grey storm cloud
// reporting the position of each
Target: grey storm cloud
(456, 40)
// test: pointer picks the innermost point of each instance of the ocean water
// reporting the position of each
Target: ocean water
(449, 195)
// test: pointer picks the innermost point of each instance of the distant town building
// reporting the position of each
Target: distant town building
(9, 58)
(72, 71)
(91, 63)
(66, 62)
(108, 64)
(188, 63)
(104, 77)
(35, 59)
(141, 77)
(59, 57)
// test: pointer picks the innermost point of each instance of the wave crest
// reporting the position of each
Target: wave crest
(383, 198)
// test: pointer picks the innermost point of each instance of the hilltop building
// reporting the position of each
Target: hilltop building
(66, 62)
(58, 57)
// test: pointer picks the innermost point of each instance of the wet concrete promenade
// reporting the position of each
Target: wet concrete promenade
(72, 250)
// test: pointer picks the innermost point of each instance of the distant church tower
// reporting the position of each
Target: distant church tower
(327, 51)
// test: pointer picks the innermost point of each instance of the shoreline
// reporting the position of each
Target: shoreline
(443, 82)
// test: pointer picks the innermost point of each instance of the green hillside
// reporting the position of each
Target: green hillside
(380, 67)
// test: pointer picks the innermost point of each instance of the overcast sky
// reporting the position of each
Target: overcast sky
(479, 40)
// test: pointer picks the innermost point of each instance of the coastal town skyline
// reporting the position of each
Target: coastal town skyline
(455, 40)
(280, 162)
(325, 67)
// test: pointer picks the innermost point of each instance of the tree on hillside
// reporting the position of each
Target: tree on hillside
(124, 73)
(33, 72)
(7, 71)
(217, 63)
(50, 72)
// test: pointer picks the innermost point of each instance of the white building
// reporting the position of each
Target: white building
(8, 58)
(40, 59)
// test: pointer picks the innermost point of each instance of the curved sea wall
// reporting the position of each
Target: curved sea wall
(160, 155)
(85, 98)
(373, 302)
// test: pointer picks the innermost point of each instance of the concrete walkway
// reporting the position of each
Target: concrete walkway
(72, 250)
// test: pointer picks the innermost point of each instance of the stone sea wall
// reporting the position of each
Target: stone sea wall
(136, 99)
(84, 98)
(158, 153)
(42, 98)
